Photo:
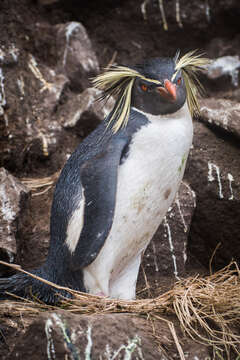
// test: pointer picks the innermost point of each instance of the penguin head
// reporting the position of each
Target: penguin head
(160, 90)
(158, 86)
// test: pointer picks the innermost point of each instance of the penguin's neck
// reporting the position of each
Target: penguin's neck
(182, 113)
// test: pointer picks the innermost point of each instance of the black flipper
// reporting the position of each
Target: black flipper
(99, 180)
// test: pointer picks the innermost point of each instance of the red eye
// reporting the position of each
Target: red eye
(144, 87)
(179, 80)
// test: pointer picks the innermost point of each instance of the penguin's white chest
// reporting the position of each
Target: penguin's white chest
(148, 180)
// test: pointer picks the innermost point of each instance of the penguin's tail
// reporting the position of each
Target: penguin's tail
(25, 286)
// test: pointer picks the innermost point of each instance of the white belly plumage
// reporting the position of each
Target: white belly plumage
(147, 184)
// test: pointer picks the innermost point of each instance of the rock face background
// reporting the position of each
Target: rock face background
(49, 51)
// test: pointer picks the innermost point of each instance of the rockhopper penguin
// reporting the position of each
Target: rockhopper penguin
(117, 186)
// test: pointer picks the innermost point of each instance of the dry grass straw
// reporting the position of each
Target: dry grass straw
(208, 308)
(40, 186)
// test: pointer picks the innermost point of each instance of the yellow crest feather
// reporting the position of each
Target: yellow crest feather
(190, 64)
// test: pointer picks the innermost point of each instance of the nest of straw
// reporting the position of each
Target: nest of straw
(208, 308)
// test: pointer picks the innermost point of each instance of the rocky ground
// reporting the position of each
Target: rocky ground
(48, 53)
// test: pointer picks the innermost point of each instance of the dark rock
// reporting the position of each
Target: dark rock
(30, 95)
(224, 70)
(221, 46)
(76, 56)
(223, 77)
(213, 172)
(56, 88)
(2, 95)
(61, 334)
(166, 254)
(47, 2)
(197, 14)
(14, 203)
(49, 85)
(224, 114)
(200, 17)
(113, 336)
(45, 43)
(9, 55)
(84, 112)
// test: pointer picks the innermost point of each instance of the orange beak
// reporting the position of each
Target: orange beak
(168, 91)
